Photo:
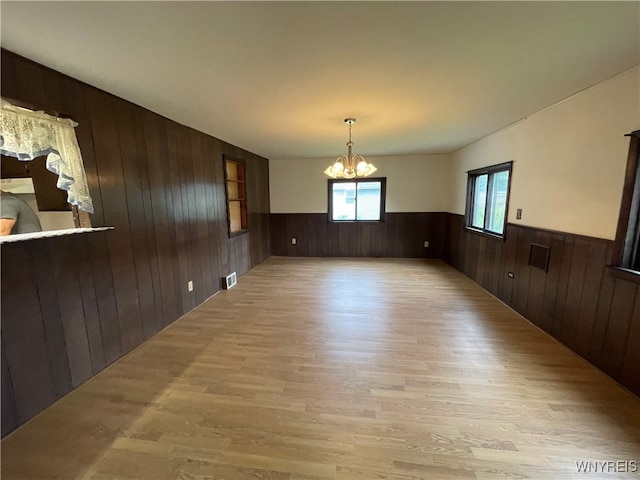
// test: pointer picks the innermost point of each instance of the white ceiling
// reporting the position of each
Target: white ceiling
(278, 78)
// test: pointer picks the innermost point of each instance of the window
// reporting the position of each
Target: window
(236, 196)
(357, 200)
(627, 244)
(488, 199)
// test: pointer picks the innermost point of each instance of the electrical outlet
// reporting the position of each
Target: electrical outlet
(426, 244)
(190, 285)
(293, 240)
(510, 274)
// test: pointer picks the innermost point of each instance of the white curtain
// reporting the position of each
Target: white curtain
(25, 135)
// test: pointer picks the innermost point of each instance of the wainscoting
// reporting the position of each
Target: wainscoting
(400, 235)
(578, 301)
(73, 305)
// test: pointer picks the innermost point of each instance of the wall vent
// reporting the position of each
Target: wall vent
(539, 256)
(229, 281)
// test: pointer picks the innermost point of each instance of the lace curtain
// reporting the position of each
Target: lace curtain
(25, 135)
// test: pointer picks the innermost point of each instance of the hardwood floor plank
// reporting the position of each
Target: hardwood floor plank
(324, 368)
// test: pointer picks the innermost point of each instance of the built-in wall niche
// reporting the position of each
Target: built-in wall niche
(37, 186)
(236, 190)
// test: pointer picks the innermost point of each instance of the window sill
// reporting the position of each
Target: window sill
(21, 237)
(625, 273)
(484, 233)
(375, 222)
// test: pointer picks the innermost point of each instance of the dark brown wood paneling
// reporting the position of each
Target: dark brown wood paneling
(400, 235)
(30, 86)
(455, 241)
(596, 261)
(8, 72)
(470, 261)
(520, 296)
(98, 296)
(178, 216)
(498, 274)
(84, 250)
(68, 291)
(477, 268)
(116, 213)
(23, 334)
(574, 292)
(557, 319)
(105, 297)
(10, 418)
(508, 285)
(189, 208)
(577, 300)
(620, 321)
(216, 177)
(162, 222)
(538, 278)
(630, 375)
(258, 209)
(133, 156)
(52, 84)
(51, 315)
(489, 265)
(552, 282)
(200, 230)
(596, 352)
(207, 211)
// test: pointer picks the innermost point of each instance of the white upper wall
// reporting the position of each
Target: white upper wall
(415, 183)
(569, 160)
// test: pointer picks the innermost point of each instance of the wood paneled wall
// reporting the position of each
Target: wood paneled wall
(72, 305)
(578, 301)
(400, 235)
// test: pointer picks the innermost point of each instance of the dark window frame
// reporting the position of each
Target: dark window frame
(472, 175)
(383, 198)
(244, 211)
(626, 248)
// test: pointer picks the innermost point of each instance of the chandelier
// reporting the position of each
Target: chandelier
(350, 166)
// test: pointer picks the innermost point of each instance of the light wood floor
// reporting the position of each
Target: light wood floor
(355, 369)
